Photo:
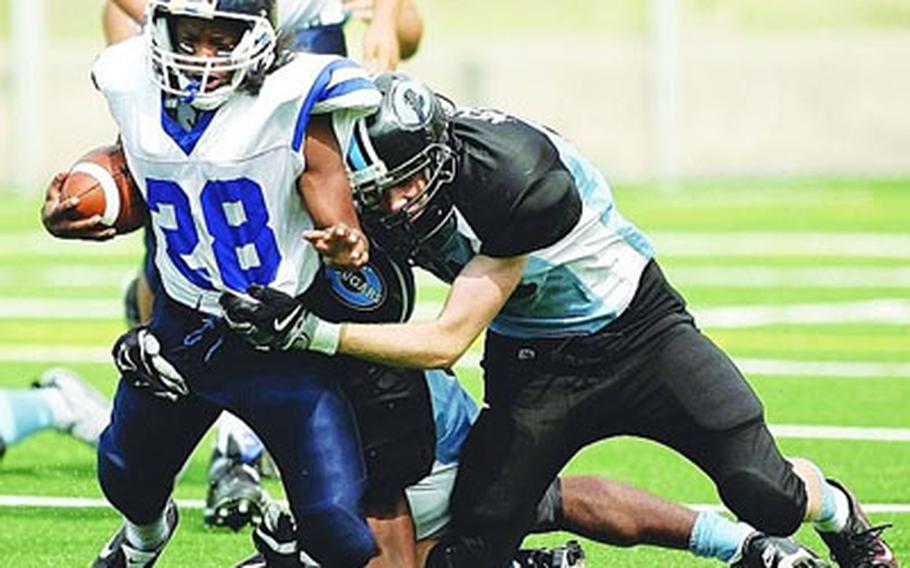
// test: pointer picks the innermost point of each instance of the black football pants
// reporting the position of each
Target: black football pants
(650, 373)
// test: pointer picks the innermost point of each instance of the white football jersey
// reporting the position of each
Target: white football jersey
(222, 196)
(301, 14)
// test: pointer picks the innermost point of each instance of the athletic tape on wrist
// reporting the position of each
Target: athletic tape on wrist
(326, 337)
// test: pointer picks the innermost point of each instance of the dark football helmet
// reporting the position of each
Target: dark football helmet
(187, 75)
(407, 136)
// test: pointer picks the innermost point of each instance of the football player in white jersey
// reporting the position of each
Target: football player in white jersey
(586, 339)
(235, 496)
(235, 147)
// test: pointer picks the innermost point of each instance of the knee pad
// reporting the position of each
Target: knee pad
(774, 507)
(336, 537)
(460, 552)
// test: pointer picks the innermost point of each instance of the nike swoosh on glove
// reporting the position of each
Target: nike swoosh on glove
(269, 319)
(137, 355)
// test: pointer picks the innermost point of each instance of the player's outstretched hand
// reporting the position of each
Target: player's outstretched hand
(381, 51)
(137, 355)
(57, 219)
(269, 319)
(342, 246)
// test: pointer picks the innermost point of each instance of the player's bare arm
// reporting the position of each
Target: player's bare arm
(56, 215)
(476, 296)
(380, 42)
(326, 194)
(272, 320)
(132, 8)
(409, 27)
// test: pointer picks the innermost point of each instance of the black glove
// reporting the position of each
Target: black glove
(271, 320)
(276, 538)
(137, 355)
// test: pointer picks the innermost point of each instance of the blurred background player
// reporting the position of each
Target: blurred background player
(394, 31)
(58, 400)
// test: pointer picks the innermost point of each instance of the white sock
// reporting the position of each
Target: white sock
(841, 505)
(147, 537)
(61, 411)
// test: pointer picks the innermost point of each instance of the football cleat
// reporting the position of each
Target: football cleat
(762, 551)
(275, 539)
(118, 553)
(235, 496)
(89, 410)
(569, 556)
(859, 544)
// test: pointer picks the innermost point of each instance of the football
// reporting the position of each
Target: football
(105, 187)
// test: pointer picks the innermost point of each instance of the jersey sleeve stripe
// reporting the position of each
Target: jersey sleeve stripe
(323, 80)
(342, 89)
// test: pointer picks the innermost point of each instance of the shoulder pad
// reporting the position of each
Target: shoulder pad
(121, 67)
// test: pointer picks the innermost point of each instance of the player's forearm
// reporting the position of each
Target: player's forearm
(418, 345)
(132, 8)
(386, 13)
(324, 186)
(409, 29)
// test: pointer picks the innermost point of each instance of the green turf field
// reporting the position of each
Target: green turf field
(753, 247)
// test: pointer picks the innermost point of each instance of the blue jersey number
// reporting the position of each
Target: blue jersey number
(237, 220)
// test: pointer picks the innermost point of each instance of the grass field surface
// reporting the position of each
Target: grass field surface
(816, 259)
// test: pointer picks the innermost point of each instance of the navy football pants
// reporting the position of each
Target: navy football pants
(302, 418)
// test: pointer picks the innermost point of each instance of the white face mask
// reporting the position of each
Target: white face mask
(189, 76)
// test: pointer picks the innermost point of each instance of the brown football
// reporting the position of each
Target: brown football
(105, 187)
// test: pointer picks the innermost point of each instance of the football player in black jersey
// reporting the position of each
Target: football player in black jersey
(585, 337)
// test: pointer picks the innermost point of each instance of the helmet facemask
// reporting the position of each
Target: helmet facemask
(194, 78)
(408, 136)
(424, 213)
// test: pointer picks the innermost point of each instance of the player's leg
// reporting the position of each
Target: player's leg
(715, 419)
(398, 436)
(139, 456)
(529, 430)
(307, 426)
(59, 399)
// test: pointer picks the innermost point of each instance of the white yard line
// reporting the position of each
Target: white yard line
(63, 355)
(41, 501)
(72, 276)
(842, 433)
(61, 309)
(782, 244)
(668, 243)
(77, 275)
(883, 311)
(861, 277)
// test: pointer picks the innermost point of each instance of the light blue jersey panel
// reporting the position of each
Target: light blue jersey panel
(586, 280)
(453, 410)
